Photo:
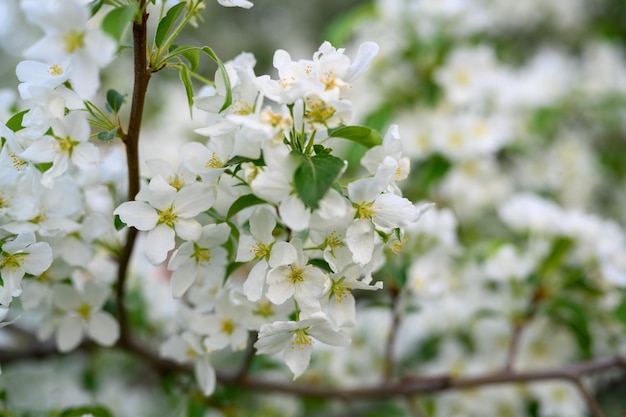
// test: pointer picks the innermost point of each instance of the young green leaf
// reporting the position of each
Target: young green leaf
(117, 21)
(114, 101)
(107, 135)
(359, 134)
(192, 55)
(15, 122)
(166, 24)
(244, 202)
(95, 411)
(225, 77)
(315, 176)
(185, 77)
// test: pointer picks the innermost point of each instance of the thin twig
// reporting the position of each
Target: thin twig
(389, 359)
(131, 140)
(592, 404)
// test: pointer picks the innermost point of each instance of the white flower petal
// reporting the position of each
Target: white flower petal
(297, 357)
(159, 242)
(138, 214)
(103, 328)
(70, 333)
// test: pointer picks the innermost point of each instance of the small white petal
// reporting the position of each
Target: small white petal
(159, 242)
(103, 328)
(297, 357)
(138, 214)
(70, 333)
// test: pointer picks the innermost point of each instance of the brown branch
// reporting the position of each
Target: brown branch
(131, 140)
(389, 360)
(407, 386)
(592, 404)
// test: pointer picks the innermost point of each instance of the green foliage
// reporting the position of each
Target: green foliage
(360, 134)
(96, 411)
(119, 224)
(166, 24)
(114, 101)
(574, 316)
(117, 21)
(185, 77)
(315, 175)
(426, 174)
(107, 135)
(244, 202)
(15, 122)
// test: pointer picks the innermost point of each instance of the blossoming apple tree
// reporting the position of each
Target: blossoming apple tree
(270, 241)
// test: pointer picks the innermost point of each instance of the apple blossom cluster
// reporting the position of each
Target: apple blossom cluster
(50, 232)
(256, 225)
(265, 193)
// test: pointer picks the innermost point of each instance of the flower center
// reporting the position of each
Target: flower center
(301, 339)
(261, 251)
(242, 108)
(264, 309)
(167, 217)
(202, 255)
(65, 145)
(317, 111)
(176, 182)
(55, 70)
(214, 162)
(296, 275)
(365, 210)
(73, 40)
(332, 241)
(12, 261)
(84, 310)
(228, 326)
(338, 290)
(18, 163)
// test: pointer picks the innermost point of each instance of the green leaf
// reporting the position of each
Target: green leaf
(225, 77)
(107, 135)
(15, 122)
(96, 411)
(166, 24)
(315, 176)
(321, 264)
(119, 224)
(191, 55)
(117, 21)
(620, 312)
(360, 134)
(236, 160)
(244, 202)
(232, 267)
(95, 5)
(114, 101)
(572, 315)
(185, 77)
